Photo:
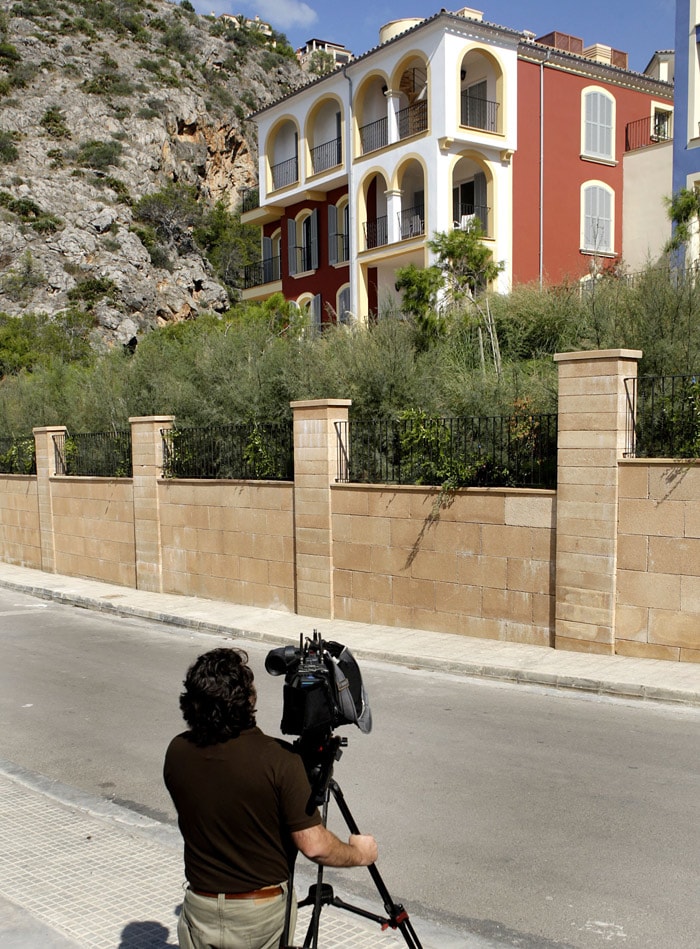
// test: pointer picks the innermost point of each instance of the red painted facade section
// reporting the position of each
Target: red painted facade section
(564, 172)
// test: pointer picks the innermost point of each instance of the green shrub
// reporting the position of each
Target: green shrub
(9, 54)
(53, 121)
(8, 149)
(108, 83)
(90, 291)
(99, 155)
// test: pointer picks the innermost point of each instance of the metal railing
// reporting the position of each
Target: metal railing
(18, 455)
(509, 451)
(376, 233)
(93, 454)
(411, 222)
(374, 135)
(261, 272)
(250, 199)
(250, 451)
(285, 173)
(413, 119)
(479, 113)
(648, 131)
(663, 417)
(326, 156)
(304, 259)
(468, 213)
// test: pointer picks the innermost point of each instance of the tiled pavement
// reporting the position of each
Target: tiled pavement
(79, 873)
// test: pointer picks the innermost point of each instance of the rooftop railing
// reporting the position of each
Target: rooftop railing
(649, 131)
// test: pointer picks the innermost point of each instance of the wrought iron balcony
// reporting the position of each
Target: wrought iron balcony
(304, 259)
(413, 119)
(649, 130)
(261, 272)
(374, 135)
(412, 222)
(285, 173)
(342, 248)
(376, 233)
(250, 199)
(479, 113)
(467, 214)
(326, 156)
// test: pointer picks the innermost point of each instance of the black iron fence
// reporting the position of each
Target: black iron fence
(469, 214)
(412, 222)
(413, 119)
(326, 156)
(94, 454)
(663, 417)
(507, 451)
(376, 233)
(18, 455)
(649, 130)
(261, 272)
(250, 199)
(374, 135)
(479, 113)
(285, 173)
(256, 450)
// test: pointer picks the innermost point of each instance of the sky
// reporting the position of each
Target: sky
(638, 27)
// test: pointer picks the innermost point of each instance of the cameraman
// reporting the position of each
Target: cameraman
(244, 810)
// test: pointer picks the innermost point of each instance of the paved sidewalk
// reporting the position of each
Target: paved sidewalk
(652, 679)
(82, 873)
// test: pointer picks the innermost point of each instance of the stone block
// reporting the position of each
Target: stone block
(661, 591)
(646, 650)
(530, 511)
(675, 555)
(484, 571)
(674, 628)
(664, 519)
(632, 552)
(632, 623)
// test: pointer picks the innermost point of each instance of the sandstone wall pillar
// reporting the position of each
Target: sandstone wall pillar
(147, 463)
(592, 426)
(45, 470)
(315, 463)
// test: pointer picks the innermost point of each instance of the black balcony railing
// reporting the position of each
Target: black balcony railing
(663, 417)
(412, 222)
(93, 454)
(285, 173)
(413, 120)
(649, 130)
(479, 113)
(326, 156)
(261, 272)
(374, 136)
(510, 451)
(304, 259)
(376, 233)
(250, 199)
(18, 455)
(468, 214)
(259, 450)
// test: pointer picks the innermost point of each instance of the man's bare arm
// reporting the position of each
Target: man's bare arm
(322, 846)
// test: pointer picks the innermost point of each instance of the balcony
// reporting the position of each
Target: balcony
(649, 131)
(261, 272)
(374, 136)
(341, 246)
(250, 199)
(326, 156)
(411, 222)
(469, 214)
(413, 120)
(303, 259)
(376, 233)
(478, 113)
(285, 173)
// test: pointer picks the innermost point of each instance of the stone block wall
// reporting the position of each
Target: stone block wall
(20, 536)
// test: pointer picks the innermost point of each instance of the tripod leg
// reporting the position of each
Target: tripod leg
(398, 917)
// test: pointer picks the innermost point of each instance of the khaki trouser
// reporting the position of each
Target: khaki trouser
(217, 923)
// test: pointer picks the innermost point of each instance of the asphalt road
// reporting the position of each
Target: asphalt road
(531, 817)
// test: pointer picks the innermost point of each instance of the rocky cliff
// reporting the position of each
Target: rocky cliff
(101, 105)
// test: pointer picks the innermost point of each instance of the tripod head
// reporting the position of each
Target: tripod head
(319, 752)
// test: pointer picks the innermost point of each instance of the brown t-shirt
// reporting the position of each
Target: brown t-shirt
(237, 804)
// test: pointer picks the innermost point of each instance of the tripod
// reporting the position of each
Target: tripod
(321, 894)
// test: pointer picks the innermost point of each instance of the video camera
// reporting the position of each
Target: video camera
(322, 688)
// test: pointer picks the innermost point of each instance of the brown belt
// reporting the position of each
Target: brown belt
(267, 892)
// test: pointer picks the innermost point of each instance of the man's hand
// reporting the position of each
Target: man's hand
(320, 845)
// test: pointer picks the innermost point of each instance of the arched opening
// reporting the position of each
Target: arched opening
(375, 228)
(411, 82)
(472, 192)
(370, 109)
(325, 136)
(411, 181)
(481, 92)
(283, 155)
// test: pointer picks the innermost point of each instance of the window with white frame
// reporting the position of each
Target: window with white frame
(597, 218)
(598, 124)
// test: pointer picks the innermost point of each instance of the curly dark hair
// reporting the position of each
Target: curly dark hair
(219, 697)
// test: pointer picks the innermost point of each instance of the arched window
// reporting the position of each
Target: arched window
(597, 212)
(598, 121)
(302, 242)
